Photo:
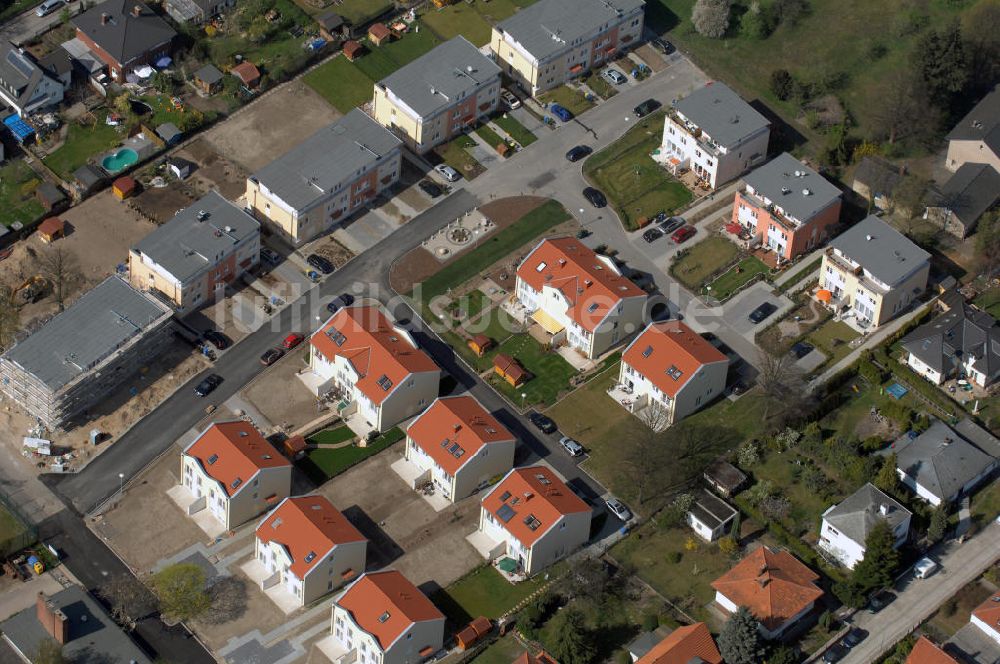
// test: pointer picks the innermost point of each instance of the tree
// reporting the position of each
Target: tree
(62, 270)
(757, 22)
(181, 591)
(48, 652)
(790, 11)
(10, 316)
(572, 643)
(783, 654)
(939, 523)
(982, 43)
(782, 84)
(988, 243)
(897, 110)
(130, 601)
(909, 196)
(878, 567)
(164, 82)
(739, 642)
(123, 107)
(784, 394)
(943, 64)
(711, 17)
(887, 478)
(643, 460)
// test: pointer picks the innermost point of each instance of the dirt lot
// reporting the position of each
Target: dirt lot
(403, 530)
(271, 125)
(290, 407)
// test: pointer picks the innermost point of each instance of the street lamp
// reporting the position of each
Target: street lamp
(121, 484)
(524, 395)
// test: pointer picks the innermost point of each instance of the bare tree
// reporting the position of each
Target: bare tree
(10, 316)
(130, 601)
(898, 109)
(711, 17)
(783, 388)
(655, 416)
(645, 455)
(229, 600)
(988, 243)
(62, 269)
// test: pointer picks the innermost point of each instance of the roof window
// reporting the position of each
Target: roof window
(384, 382)
(311, 556)
(382, 618)
(212, 459)
(674, 372)
(238, 481)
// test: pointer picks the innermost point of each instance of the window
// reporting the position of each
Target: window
(541, 266)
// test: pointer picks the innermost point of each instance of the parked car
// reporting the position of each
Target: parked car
(509, 99)
(447, 172)
(595, 197)
(582, 233)
(618, 508)
(339, 302)
(853, 637)
(924, 568)
(834, 653)
(271, 355)
(652, 234)
(321, 263)
(217, 339)
(800, 349)
(292, 340)
(646, 107)
(572, 447)
(432, 189)
(615, 76)
(560, 112)
(663, 46)
(683, 234)
(269, 255)
(672, 224)
(205, 387)
(578, 153)
(764, 310)
(542, 422)
(880, 600)
(48, 7)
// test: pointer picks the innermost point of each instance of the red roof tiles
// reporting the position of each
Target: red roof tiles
(925, 652)
(989, 613)
(456, 421)
(232, 453)
(533, 491)
(672, 344)
(307, 525)
(385, 604)
(684, 645)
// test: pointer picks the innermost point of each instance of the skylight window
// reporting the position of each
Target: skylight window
(311, 556)
(541, 266)
(238, 481)
(382, 618)
(212, 459)
(338, 337)
(531, 522)
(505, 496)
(542, 479)
(444, 443)
(674, 372)
(593, 307)
(648, 351)
(505, 513)
(384, 382)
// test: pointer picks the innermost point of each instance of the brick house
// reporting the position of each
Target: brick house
(125, 35)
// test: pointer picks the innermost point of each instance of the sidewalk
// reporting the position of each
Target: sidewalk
(802, 264)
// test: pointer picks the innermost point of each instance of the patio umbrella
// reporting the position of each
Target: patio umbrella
(824, 295)
(164, 62)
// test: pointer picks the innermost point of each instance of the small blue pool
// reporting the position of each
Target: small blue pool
(120, 160)
(897, 391)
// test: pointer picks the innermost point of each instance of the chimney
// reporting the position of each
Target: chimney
(105, 17)
(53, 620)
(884, 509)
(136, 11)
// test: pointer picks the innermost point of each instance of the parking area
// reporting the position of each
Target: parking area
(736, 311)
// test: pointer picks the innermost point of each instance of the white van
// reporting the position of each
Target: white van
(924, 568)
(48, 7)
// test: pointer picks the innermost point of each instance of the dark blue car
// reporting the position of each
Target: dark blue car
(560, 112)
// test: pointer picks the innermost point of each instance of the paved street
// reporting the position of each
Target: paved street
(918, 598)
(28, 25)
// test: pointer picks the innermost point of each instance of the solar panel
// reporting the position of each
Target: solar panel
(505, 513)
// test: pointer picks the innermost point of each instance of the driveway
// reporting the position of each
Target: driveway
(976, 647)
(735, 312)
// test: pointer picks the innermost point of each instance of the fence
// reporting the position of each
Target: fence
(16, 531)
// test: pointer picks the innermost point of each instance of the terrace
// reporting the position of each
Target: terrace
(642, 407)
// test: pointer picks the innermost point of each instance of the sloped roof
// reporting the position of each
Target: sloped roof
(592, 284)
(383, 355)
(692, 643)
(925, 652)
(232, 453)
(453, 430)
(541, 658)
(859, 513)
(989, 613)
(711, 510)
(721, 113)
(209, 74)
(774, 585)
(20, 74)
(307, 525)
(940, 460)
(878, 174)
(971, 191)
(946, 341)
(385, 604)
(669, 354)
(982, 123)
(124, 36)
(534, 491)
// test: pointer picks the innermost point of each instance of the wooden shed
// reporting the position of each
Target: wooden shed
(51, 229)
(481, 343)
(379, 34)
(473, 633)
(353, 50)
(208, 79)
(124, 187)
(295, 447)
(248, 74)
(509, 369)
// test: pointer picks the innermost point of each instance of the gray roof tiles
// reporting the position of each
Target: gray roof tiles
(124, 36)
(982, 123)
(859, 513)
(308, 172)
(940, 460)
(441, 77)
(711, 510)
(970, 192)
(882, 250)
(721, 113)
(209, 74)
(946, 341)
(784, 181)
(191, 241)
(102, 320)
(19, 75)
(548, 26)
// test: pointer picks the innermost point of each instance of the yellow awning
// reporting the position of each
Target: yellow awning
(548, 323)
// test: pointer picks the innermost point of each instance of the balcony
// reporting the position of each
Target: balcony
(705, 143)
(786, 223)
(842, 264)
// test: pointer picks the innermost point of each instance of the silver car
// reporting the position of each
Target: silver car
(572, 447)
(618, 508)
(447, 172)
(615, 76)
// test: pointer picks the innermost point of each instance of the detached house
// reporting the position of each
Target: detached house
(987, 618)
(234, 473)
(531, 519)
(669, 372)
(458, 446)
(125, 35)
(967, 195)
(439, 95)
(374, 367)
(846, 526)
(787, 206)
(872, 272)
(715, 134)
(578, 296)
(25, 85)
(326, 178)
(685, 645)
(382, 618)
(305, 548)
(976, 138)
(550, 42)
(189, 260)
(926, 652)
(777, 588)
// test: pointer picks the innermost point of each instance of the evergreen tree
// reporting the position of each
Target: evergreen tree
(887, 479)
(739, 641)
(938, 524)
(571, 643)
(878, 567)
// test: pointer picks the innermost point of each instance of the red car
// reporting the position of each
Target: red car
(682, 234)
(292, 340)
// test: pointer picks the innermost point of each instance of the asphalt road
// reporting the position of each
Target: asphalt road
(27, 25)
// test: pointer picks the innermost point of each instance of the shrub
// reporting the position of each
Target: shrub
(782, 84)
(650, 621)
(674, 557)
(710, 18)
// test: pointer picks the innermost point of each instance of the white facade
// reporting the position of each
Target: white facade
(254, 495)
(697, 392)
(848, 551)
(992, 631)
(924, 369)
(323, 577)
(491, 460)
(686, 143)
(361, 647)
(731, 607)
(567, 534)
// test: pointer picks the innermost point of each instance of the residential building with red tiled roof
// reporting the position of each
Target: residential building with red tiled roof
(777, 588)
(234, 473)
(987, 617)
(305, 548)
(925, 652)
(578, 296)
(374, 368)
(457, 445)
(541, 658)
(532, 519)
(382, 618)
(684, 645)
(669, 372)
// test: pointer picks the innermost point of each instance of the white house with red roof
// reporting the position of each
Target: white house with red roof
(382, 618)
(529, 520)
(578, 296)
(231, 473)
(669, 372)
(303, 549)
(987, 617)
(457, 446)
(373, 367)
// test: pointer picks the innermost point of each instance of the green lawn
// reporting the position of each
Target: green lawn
(491, 137)
(735, 278)
(469, 305)
(833, 338)
(332, 436)
(13, 534)
(471, 262)
(636, 186)
(599, 84)
(515, 129)
(455, 155)
(359, 12)
(82, 143)
(17, 193)
(954, 613)
(702, 260)
(503, 651)
(989, 301)
(471, 18)
(12, 9)
(986, 503)
(380, 61)
(322, 463)
(484, 592)
(550, 373)
(340, 83)
(568, 98)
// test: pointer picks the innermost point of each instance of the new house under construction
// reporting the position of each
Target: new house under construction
(85, 352)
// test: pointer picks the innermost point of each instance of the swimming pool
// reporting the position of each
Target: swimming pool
(120, 160)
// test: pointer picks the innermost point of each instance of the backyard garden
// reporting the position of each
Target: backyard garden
(332, 451)
(85, 139)
(568, 97)
(471, 19)
(17, 193)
